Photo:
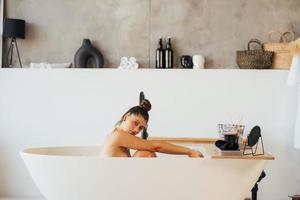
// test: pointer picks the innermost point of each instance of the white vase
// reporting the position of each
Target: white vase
(198, 62)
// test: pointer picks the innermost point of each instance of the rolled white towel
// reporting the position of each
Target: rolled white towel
(45, 65)
(123, 62)
(59, 65)
(134, 64)
(128, 63)
(41, 65)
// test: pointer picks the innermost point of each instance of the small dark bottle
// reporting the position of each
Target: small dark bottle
(160, 55)
(169, 54)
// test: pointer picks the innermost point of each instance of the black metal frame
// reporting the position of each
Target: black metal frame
(251, 147)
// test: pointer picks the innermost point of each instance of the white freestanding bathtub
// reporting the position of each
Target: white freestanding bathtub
(78, 173)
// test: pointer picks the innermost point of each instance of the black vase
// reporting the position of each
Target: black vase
(186, 61)
(86, 53)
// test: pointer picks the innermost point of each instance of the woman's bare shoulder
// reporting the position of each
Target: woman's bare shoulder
(114, 138)
(118, 134)
(125, 139)
(115, 132)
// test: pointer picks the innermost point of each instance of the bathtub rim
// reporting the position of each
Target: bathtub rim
(37, 152)
(40, 151)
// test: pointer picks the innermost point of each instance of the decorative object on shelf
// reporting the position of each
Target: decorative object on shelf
(232, 134)
(282, 49)
(253, 140)
(198, 61)
(186, 62)
(13, 29)
(160, 54)
(44, 65)
(164, 54)
(169, 54)
(230, 129)
(86, 52)
(254, 59)
(128, 63)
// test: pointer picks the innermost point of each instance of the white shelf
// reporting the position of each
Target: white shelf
(20, 198)
(143, 69)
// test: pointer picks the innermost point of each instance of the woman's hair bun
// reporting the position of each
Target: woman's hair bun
(146, 105)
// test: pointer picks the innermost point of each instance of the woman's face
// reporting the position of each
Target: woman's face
(133, 123)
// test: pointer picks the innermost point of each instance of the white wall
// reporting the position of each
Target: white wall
(80, 106)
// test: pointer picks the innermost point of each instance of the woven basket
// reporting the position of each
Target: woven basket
(254, 59)
(282, 51)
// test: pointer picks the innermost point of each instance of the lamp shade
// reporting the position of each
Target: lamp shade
(14, 28)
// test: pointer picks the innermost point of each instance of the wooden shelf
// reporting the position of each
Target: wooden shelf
(208, 144)
(266, 156)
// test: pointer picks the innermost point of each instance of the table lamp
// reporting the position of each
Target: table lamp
(13, 29)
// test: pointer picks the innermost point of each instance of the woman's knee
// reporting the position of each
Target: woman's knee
(145, 154)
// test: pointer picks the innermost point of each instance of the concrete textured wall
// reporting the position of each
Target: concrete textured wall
(214, 28)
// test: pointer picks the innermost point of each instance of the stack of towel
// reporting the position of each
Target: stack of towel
(45, 65)
(128, 63)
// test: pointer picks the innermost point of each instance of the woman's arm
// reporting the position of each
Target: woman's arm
(166, 147)
(127, 140)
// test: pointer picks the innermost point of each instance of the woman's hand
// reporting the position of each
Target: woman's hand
(194, 153)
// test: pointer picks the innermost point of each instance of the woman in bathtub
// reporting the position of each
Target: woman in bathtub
(123, 137)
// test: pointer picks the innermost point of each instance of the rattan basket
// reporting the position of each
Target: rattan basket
(254, 59)
(282, 50)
